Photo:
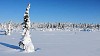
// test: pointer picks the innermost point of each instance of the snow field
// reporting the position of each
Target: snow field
(54, 43)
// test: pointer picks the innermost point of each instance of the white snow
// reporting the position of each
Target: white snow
(53, 43)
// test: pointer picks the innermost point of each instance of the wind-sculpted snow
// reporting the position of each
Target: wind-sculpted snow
(53, 43)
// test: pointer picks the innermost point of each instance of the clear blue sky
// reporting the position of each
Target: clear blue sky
(76, 11)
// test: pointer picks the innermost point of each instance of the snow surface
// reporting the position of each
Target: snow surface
(53, 43)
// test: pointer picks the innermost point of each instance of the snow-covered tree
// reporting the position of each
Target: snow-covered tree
(7, 27)
(26, 42)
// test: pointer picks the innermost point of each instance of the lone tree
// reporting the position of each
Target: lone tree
(8, 28)
(26, 43)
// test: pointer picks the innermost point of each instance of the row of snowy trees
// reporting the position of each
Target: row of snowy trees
(65, 25)
(18, 26)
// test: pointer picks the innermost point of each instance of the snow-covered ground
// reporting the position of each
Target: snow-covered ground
(53, 43)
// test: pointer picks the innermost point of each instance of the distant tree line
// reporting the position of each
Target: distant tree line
(65, 25)
(54, 26)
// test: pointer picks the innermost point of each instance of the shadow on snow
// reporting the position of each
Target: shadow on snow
(2, 32)
(10, 46)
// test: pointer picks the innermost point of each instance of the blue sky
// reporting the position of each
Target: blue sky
(75, 11)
